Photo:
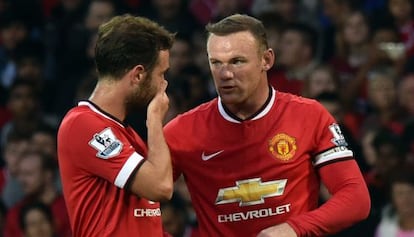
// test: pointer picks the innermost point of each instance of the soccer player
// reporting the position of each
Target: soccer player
(111, 178)
(253, 158)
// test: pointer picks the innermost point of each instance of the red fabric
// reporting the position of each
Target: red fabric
(278, 79)
(3, 175)
(287, 141)
(350, 201)
(59, 212)
(97, 156)
(48, 6)
(5, 116)
(407, 37)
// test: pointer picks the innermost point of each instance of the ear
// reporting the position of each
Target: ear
(268, 59)
(137, 74)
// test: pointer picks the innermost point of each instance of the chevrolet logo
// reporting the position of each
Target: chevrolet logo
(251, 191)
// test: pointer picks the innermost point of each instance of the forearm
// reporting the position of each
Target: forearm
(159, 155)
(349, 203)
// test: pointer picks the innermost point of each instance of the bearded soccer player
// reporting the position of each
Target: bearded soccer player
(253, 158)
(111, 178)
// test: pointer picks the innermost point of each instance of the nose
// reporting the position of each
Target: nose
(226, 73)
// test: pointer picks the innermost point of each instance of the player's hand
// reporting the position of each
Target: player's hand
(158, 106)
(282, 230)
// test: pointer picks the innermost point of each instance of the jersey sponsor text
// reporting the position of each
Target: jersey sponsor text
(254, 214)
(148, 212)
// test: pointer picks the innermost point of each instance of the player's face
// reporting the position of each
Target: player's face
(145, 92)
(237, 67)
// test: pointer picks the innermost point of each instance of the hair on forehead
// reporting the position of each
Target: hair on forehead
(238, 23)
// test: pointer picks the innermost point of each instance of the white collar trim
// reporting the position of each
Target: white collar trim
(266, 110)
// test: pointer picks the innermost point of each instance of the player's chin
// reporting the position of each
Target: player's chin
(229, 98)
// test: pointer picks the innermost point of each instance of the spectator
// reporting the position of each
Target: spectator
(321, 79)
(99, 11)
(13, 30)
(24, 105)
(406, 94)
(174, 15)
(37, 177)
(36, 220)
(397, 218)
(402, 14)
(297, 58)
(16, 145)
(382, 97)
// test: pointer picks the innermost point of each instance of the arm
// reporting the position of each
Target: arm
(153, 180)
(349, 204)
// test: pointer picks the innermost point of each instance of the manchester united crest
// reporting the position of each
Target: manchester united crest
(282, 146)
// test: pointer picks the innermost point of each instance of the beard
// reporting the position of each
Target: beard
(142, 96)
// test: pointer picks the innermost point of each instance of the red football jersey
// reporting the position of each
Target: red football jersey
(97, 156)
(244, 176)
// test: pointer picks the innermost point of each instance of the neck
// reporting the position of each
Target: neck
(250, 108)
(109, 96)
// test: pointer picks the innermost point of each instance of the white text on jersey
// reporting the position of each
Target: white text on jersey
(265, 212)
(139, 212)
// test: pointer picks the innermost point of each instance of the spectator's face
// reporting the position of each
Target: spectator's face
(22, 102)
(403, 198)
(406, 94)
(400, 9)
(31, 175)
(356, 31)
(37, 224)
(237, 67)
(99, 13)
(382, 92)
(12, 153)
(180, 56)
(12, 35)
(292, 49)
(320, 81)
(30, 69)
(44, 142)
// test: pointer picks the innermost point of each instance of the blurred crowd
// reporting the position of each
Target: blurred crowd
(354, 56)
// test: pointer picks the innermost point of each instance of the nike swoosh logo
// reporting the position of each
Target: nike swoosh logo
(208, 157)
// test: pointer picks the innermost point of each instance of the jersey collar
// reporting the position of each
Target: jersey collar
(227, 115)
(99, 111)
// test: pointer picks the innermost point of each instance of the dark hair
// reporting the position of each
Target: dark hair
(34, 206)
(21, 82)
(385, 136)
(238, 23)
(403, 175)
(328, 97)
(126, 41)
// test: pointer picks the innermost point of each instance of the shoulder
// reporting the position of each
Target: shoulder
(200, 112)
(298, 102)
